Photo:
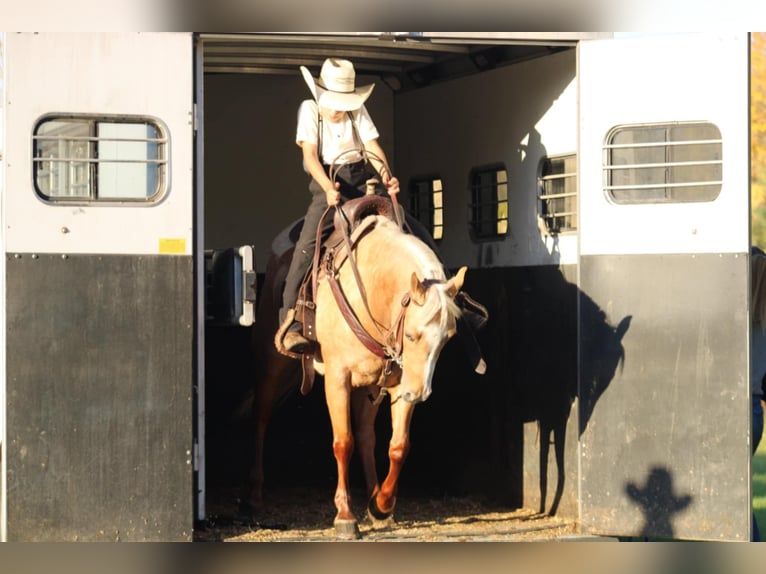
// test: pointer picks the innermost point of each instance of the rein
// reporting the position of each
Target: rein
(367, 155)
(391, 346)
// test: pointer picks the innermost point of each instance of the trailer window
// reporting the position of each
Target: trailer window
(663, 163)
(99, 159)
(558, 193)
(488, 210)
(425, 204)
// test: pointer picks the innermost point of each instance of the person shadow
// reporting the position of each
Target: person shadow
(658, 502)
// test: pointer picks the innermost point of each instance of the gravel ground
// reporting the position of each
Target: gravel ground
(300, 514)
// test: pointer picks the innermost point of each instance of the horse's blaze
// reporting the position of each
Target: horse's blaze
(434, 343)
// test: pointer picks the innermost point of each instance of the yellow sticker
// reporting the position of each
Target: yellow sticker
(172, 246)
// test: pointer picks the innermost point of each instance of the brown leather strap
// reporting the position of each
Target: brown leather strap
(397, 213)
(354, 269)
(471, 345)
(348, 313)
(391, 347)
(317, 251)
(307, 382)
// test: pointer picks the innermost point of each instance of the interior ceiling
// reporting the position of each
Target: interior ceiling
(402, 62)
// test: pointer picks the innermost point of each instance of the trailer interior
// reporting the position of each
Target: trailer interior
(445, 107)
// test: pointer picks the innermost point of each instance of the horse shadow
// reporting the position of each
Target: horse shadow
(585, 347)
(534, 361)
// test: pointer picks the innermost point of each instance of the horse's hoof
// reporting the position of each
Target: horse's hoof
(378, 524)
(375, 513)
(347, 529)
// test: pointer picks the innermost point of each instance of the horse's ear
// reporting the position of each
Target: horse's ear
(623, 327)
(417, 290)
(456, 283)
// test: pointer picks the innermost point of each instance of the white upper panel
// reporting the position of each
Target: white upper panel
(673, 78)
(135, 74)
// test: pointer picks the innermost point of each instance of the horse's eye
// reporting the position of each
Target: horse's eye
(410, 337)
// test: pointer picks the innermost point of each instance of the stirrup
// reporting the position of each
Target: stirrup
(295, 342)
(279, 338)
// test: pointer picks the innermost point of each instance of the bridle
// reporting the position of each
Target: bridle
(389, 343)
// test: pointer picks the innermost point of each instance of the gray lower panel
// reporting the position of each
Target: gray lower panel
(99, 397)
(664, 396)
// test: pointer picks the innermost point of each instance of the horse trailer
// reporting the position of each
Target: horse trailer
(145, 176)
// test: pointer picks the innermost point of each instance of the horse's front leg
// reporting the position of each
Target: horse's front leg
(381, 505)
(337, 395)
(365, 411)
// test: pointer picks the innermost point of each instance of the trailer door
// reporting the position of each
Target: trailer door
(664, 396)
(98, 229)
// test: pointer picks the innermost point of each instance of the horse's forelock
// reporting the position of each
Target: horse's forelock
(448, 305)
(438, 302)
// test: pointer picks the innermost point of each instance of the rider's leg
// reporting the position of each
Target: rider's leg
(304, 251)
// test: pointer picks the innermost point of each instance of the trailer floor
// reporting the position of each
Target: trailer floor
(298, 514)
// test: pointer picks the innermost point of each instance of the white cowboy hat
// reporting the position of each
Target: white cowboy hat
(335, 90)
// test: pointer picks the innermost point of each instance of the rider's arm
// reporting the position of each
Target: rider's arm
(385, 172)
(316, 169)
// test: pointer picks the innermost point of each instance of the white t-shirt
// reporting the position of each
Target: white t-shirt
(336, 138)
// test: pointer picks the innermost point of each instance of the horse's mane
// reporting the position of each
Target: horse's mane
(427, 266)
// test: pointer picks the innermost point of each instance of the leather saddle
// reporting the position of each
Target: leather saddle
(348, 221)
(351, 221)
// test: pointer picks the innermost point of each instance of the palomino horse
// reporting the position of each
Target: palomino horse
(412, 301)
(410, 311)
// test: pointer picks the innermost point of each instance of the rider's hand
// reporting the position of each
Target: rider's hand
(392, 184)
(333, 194)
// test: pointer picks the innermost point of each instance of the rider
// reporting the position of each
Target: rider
(334, 125)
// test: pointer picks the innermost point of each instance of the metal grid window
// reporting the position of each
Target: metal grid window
(99, 159)
(488, 210)
(558, 193)
(426, 204)
(663, 163)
